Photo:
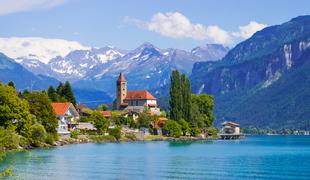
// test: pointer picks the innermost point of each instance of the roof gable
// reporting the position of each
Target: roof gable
(139, 95)
(60, 109)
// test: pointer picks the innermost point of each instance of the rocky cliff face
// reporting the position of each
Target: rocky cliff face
(255, 66)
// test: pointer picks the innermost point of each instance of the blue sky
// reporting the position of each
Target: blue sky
(126, 24)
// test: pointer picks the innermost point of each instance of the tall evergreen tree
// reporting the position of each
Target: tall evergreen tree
(175, 100)
(186, 97)
(68, 93)
(52, 94)
(11, 83)
(59, 89)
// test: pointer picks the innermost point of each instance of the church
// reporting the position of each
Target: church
(133, 100)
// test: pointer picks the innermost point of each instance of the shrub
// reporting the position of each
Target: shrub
(115, 132)
(38, 134)
(8, 139)
(130, 136)
(212, 132)
(184, 126)
(172, 128)
(50, 139)
(195, 131)
(74, 134)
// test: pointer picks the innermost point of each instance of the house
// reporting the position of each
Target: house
(133, 100)
(133, 114)
(67, 116)
(230, 128)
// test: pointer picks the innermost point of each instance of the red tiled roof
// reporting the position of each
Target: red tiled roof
(139, 95)
(61, 108)
(121, 77)
(106, 113)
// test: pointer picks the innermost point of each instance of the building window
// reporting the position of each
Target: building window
(136, 103)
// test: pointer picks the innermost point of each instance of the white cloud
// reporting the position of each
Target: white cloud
(176, 25)
(12, 6)
(249, 29)
(42, 49)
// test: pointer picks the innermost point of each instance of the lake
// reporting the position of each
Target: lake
(256, 157)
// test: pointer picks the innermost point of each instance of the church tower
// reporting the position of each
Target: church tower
(121, 90)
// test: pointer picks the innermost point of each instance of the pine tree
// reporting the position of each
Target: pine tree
(11, 83)
(52, 94)
(59, 89)
(68, 93)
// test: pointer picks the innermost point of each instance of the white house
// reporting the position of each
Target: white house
(67, 116)
(231, 128)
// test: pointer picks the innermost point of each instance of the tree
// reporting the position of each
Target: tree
(180, 97)
(67, 93)
(52, 94)
(99, 121)
(184, 126)
(102, 107)
(144, 120)
(186, 94)
(175, 100)
(172, 128)
(59, 89)
(202, 110)
(40, 106)
(38, 134)
(115, 132)
(14, 111)
(11, 83)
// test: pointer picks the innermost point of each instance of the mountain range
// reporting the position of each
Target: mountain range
(263, 81)
(146, 67)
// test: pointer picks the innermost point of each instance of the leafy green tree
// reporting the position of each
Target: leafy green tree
(52, 94)
(172, 128)
(144, 120)
(14, 111)
(99, 121)
(40, 107)
(184, 126)
(67, 93)
(11, 83)
(38, 134)
(102, 107)
(202, 110)
(115, 132)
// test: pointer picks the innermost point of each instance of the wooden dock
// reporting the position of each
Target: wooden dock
(230, 136)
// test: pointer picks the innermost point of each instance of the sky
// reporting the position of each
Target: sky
(126, 24)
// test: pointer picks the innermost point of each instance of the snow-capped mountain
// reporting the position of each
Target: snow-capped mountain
(146, 67)
(77, 64)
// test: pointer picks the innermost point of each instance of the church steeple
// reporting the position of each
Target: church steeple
(121, 90)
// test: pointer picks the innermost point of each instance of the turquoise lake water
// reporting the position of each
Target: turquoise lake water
(256, 157)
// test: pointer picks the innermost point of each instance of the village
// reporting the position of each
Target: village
(135, 116)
